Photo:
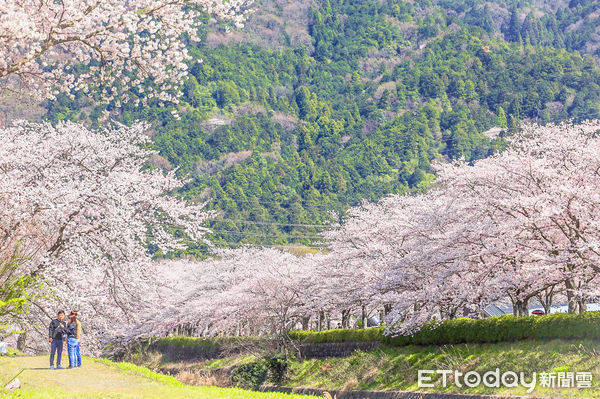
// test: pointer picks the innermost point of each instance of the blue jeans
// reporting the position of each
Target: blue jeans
(78, 354)
(56, 347)
(74, 353)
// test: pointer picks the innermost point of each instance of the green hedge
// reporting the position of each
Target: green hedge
(338, 335)
(493, 329)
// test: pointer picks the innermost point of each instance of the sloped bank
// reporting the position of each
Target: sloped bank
(366, 360)
(395, 369)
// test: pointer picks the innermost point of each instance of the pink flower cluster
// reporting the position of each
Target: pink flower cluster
(102, 46)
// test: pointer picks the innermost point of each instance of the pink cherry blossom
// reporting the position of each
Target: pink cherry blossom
(101, 46)
(81, 208)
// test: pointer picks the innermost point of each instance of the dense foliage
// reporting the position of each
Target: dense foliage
(16, 293)
(278, 137)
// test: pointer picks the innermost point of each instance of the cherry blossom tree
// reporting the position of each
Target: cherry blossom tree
(416, 267)
(510, 227)
(82, 208)
(519, 225)
(246, 291)
(101, 46)
(361, 248)
(544, 190)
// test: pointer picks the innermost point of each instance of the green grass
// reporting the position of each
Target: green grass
(105, 379)
(396, 368)
(14, 352)
(228, 361)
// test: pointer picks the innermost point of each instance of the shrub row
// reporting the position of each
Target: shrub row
(494, 329)
(338, 335)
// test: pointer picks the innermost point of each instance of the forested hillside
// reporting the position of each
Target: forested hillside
(315, 106)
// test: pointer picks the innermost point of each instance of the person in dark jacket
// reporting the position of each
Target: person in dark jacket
(56, 335)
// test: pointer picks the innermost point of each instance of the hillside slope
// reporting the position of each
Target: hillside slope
(316, 106)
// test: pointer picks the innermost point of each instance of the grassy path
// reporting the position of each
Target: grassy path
(104, 379)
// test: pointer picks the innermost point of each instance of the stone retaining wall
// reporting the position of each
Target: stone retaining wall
(173, 352)
(335, 349)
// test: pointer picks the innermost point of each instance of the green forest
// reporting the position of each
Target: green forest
(282, 135)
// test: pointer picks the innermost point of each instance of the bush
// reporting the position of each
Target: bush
(277, 369)
(253, 375)
(250, 375)
(494, 329)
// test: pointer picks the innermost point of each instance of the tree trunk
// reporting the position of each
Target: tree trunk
(305, 321)
(363, 316)
(582, 306)
(346, 318)
(22, 342)
(321, 320)
(570, 285)
(387, 308)
(545, 298)
(547, 307)
(521, 307)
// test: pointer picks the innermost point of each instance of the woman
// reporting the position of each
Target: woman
(73, 337)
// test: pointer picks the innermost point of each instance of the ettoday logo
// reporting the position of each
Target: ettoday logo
(507, 379)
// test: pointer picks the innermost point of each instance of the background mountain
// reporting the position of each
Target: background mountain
(317, 105)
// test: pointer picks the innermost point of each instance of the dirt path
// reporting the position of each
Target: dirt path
(98, 379)
(94, 377)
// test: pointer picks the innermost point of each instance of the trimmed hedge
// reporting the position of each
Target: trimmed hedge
(505, 328)
(494, 329)
(338, 335)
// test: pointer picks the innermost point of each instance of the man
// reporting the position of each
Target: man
(56, 334)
